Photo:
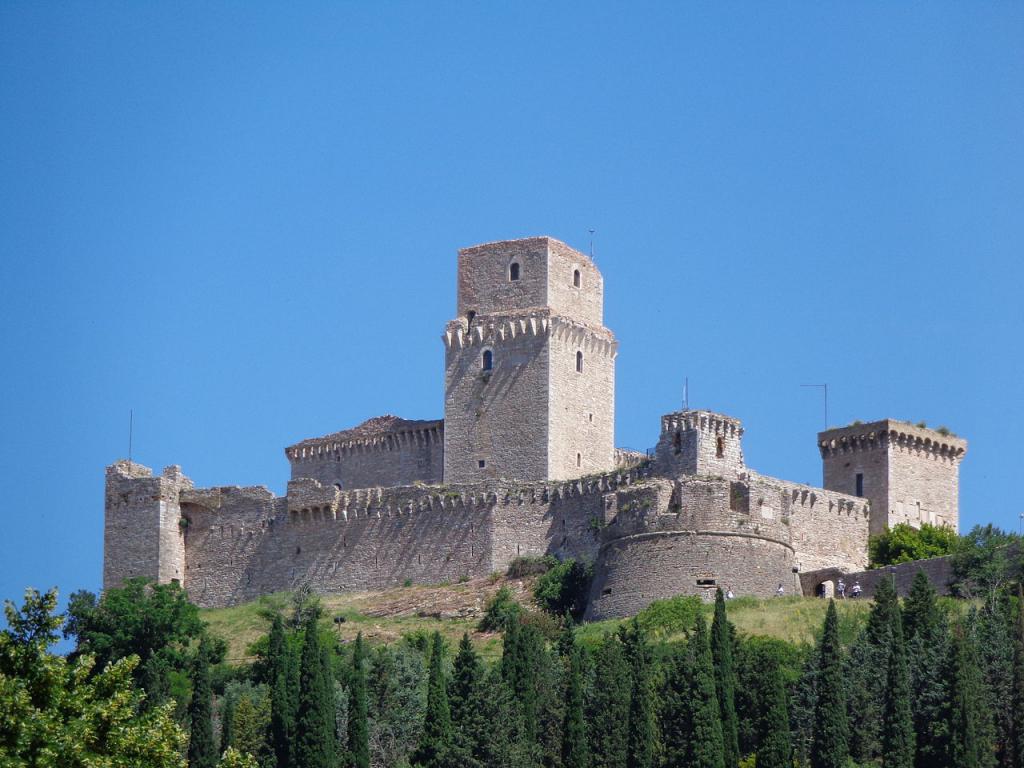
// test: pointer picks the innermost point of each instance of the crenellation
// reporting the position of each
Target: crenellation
(524, 464)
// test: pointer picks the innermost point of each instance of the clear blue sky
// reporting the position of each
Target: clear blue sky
(241, 219)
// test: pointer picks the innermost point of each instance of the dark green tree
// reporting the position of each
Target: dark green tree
(202, 750)
(676, 713)
(725, 680)
(575, 752)
(283, 676)
(466, 698)
(314, 723)
(608, 711)
(966, 747)
(520, 666)
(898, 722)
(227, 723)
(358, 727)
(435, 747)
(829, 744)
(775, 749)
(927, 637)
(642, 704)
(1018, 683)
(992, 631)
(706, 749)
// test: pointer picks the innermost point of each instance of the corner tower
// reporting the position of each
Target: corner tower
(529, 366)
(909, 473)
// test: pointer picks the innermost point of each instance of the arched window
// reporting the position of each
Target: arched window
(579, 362)
(513, 271)
(487, 360)
(576, 279)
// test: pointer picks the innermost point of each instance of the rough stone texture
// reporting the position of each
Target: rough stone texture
(939, 571)
(384, 451)
(365, 508)
(910, 474)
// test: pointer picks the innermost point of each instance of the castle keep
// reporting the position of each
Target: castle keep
(524, 464)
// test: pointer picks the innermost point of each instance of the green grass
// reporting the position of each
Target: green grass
(384, 617)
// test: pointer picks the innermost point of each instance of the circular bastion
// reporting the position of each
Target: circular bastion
(688, 537)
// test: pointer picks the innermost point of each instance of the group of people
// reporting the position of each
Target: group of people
(855, 590)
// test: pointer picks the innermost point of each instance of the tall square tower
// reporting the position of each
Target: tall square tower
(910, 474)
(529, 366)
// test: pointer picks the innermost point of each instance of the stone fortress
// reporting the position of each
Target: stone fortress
(524, 464)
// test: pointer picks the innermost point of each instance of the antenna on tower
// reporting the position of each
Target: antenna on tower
(591, 244)
(131, 426)
(686, 393)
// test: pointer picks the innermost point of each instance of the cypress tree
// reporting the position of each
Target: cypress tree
(574, 731)
(520, 661)
(227, 723)
(315, 730)
(927, 638)
(202, 751)
(640, 742)
(898, 723)
(992, 631)
(609, 705)
(358, 726)
(725, 681)
(706, 749)
(435, 747)
(283, 676)
(676, 714)
(867, 667)
(829, 743)
(775, 749)
(965, 748)
(1018, 683)
(466, 695)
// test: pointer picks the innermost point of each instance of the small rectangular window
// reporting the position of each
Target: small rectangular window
(720, 447)
(860, 483)
(481, 463)
(705, 582)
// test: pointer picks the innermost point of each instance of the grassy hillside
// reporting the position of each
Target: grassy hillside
(453, 609)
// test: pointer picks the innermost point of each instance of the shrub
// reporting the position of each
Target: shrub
(564, 588)
(530, 566)
(669, 616)
(903, 543)
(501, 612)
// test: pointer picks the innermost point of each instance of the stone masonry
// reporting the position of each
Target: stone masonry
(524, 464)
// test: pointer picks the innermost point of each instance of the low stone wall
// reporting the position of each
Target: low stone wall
(939, 571)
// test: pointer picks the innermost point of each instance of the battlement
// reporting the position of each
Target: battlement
(379, 433)
(879, 435)
(700, 442)
(461, 333)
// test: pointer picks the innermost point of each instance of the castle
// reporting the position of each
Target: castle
(524, 464)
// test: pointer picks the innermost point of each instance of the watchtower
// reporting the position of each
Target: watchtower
(695, 442)
(529, 366)
(909, 473)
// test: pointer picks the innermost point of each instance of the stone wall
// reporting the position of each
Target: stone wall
(700, 443)
(939, 571)
(585, 302)
(387, 459)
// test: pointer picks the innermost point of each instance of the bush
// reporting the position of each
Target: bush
(501, 612)
(669, 616)
(530, 566)
(903, 543)
(564, 589)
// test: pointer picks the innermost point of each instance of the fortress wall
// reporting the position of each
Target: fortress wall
(255, 544)
(924, 485)
(582, 419)
(826, 528)
(398, 459)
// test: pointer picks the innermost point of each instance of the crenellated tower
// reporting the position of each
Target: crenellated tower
(529, 366)
(910, 474)
(696, 442)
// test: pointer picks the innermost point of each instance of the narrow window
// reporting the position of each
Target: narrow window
(677, 443)
(705, 582)
(513, 271)
(860, 484)
(470, 316)
(720, 447)
(579, 362)
(487, 361)
(481, 463)
(579, 460)
(576, 278)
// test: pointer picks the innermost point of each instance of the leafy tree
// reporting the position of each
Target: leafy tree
(987, 560)
(358, 727)
(609, 705)
(829, 746)
(564, 589)
(725, 681)
(898, 723)
(575, 753)
(1018, 683)
(56, 711)
(282, 672)
(250, 722)
(202, 750)
(641, 739)
(314, 724)
(903, 543)
(501, 613)
(669, 616)
(235, 759)
(966, 741)
(435, 748)
(775, 749)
